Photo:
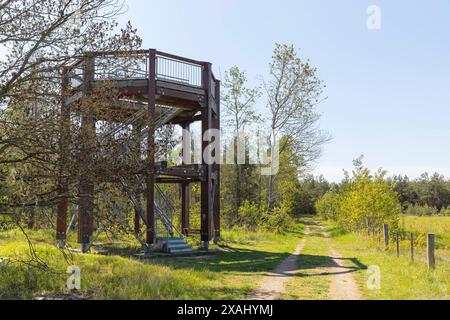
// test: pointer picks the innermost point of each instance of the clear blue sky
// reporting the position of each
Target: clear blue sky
(388, 90)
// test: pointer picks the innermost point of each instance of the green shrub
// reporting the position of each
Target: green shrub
(368, 202)
(421, 211)
(327, 206)
(363, 201)
(253, 218)
(277, 221)
(249, 215)
(6, 223)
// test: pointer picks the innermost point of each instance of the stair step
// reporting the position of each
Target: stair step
(178, 246)
(185, 250)
(171, 241)
(173, 245)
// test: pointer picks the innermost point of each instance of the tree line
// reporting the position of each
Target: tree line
(366, 200)
(429, 194)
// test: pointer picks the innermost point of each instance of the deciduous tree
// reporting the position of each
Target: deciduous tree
(293, 91)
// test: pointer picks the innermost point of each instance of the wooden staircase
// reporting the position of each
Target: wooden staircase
(172, 245)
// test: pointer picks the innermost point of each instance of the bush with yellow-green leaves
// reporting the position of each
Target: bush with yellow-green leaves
(363, 201)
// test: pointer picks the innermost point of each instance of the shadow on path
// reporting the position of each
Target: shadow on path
(327, 263)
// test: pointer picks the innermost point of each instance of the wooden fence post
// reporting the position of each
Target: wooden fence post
(397, 244)
(430, 251)
(411, 246)
(379, 237)
(368, 228)
(386, 235)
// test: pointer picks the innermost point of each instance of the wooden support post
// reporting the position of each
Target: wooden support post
(185, 187)
(411, 246)
(216, 167)
(61, 220)
(430, 251)
(386, 235)
(63, 203)
(206, 184)
(137, 129)
(397, 244)
(379, 236)
(137, 221)
(151, 234)
(186, 145)
(86, 188)
(185, 199)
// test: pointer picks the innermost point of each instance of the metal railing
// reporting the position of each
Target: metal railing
(173, 70)
(124, 67)
(134, 65)
(164, 209)
(165, 214)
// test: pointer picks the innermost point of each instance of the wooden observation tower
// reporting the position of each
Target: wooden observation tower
(159, 89)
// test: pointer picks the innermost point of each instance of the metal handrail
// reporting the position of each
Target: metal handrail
(180, 71)
(123, 125)
(122, 218)
(124, 65)
(170, 209)
(159, 121)
(164, 209)
(120, 67)
(164, 197)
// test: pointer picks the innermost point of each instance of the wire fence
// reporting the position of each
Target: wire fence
(417, 246)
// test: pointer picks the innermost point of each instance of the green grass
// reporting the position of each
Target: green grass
(234, 272)
(231, 274)
(400, 279)
(420, 226)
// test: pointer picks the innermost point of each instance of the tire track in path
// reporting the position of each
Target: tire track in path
(343, 285)
(340, 270)
(273, 284)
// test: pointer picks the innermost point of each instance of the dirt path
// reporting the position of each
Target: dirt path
(342, 286)
(272, 286)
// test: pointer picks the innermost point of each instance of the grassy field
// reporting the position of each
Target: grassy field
(401, 278)
(439, 225)
(117, 272)
(230, 274)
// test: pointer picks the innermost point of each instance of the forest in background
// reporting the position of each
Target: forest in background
(363, 194)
